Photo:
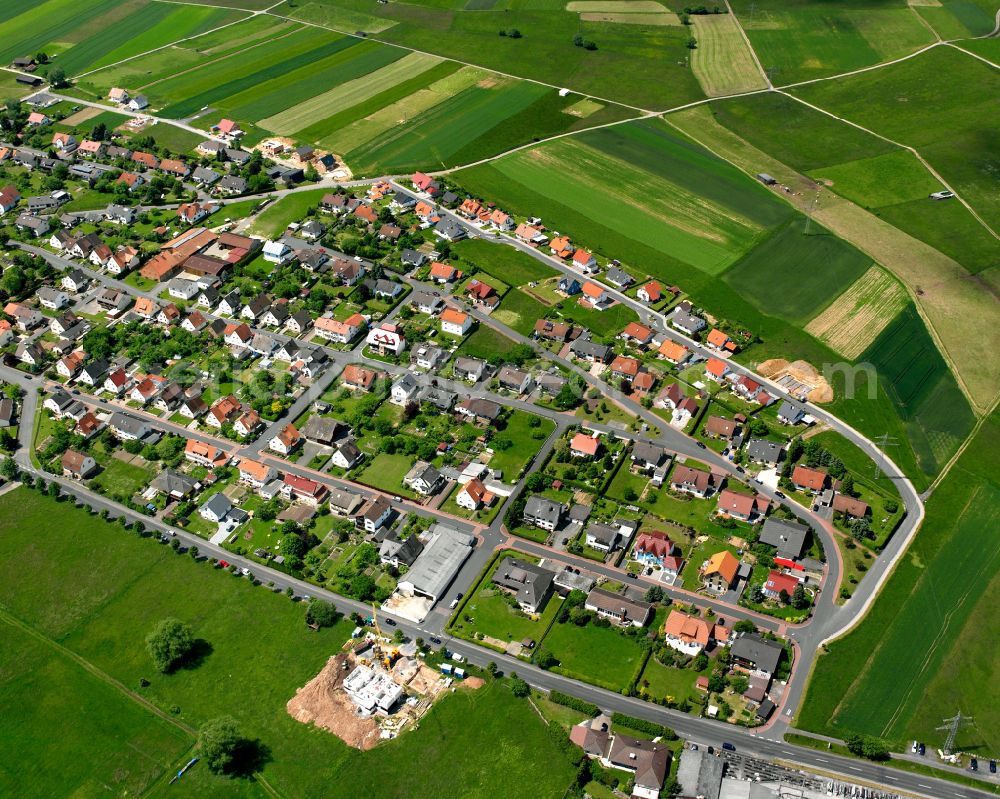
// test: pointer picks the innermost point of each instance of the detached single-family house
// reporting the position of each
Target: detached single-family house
(543, 512)
(423, 478)
(621, 610)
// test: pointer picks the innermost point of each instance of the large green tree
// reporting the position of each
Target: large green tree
(169, 643)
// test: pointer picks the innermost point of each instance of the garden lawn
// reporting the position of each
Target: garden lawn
(487, 343)
(273, 220)
(520, 312)
(101, 609)
(662, 682)
(386, 472)
(120, 478)
(492, 615)
(513, 267)
(603, 656)
(526, 441)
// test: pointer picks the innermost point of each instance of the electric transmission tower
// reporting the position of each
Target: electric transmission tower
(953, 725)
(883, 441)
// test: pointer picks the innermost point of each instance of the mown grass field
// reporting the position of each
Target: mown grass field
(889, 179)
(600, 655)
(505, 263)
(958, 19)
(100, 609)
(723, 62)
(927, 646)
(938, 102)
(854, 320)
(648, 185)
(917, 380)
(642, 65)
(273, 220)
(806, 39)
(148, 25)
(773, 277)
(485, 342)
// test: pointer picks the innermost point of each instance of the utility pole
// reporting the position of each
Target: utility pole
(883, 441)
(812, 210)
(953, 725)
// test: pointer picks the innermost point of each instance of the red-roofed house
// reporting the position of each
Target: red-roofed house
(716, 369)
(444, 273)
(640, 334)
(584, 261)
(286, 441)
(595, 296)
(303, 489)
(358, 378)
(673, 352)
(741, 506)
(204, 454)
(454, 322)
(584, 446)
(652, 547)
(625, 368)
(811, 480)
(650, 292)
(778, 582)
(474, 496)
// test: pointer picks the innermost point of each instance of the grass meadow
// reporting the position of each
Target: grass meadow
(805, 39)
(926, 647)
(100, 609)
(505, 263)
(642, 65)
(939, 103)
(723, 62)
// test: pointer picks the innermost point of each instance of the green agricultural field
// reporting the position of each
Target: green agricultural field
(648, 185)
(805, 39)
(775, 275)
(603, 656)
(520, 312)
(795, 134)
(100, 610)
(896, 177)
(294, 62)
(958, 19)
(106, 737)
(638, 64)
(723, 62)
(927, 646)
(487, 343)
(33, 26)
(142, 71)
(917, 380)
(348, 93)
(512, 266)
(149, 25)
(939, 103)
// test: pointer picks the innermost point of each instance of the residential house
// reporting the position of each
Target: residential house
(515, 380)
(423, 478)
(693, 481)
(543, 512)
(788, 538)
(303, 489)
(277, 252)
(812, 481)
(454, 322)
(650, 292)
(529, 584)
(596, 296)
(625, 368)
(216, 508)
(248, 423)
(398, 552)
(427, 356)
(585, 446)
(619, 278)
(778, 583)
(204, 454)
(647, 456)
(347, 455)
(717, 340)
(387, 339)
(851, 508)
(755, 654)
(590, 351)
(444, 273)
(256, 474)
(718, 573)
(720, 427)
(480, 409)
(474, 495)
(741, 506)
(426, 302)
(374, 514)
(686, 321)
(620, 609)
(224, 410)
(358, 378)
(651, 547)
(404, 390)
(760, 450)
(173, 484)
(791, 413)
(639, 335)
(286, 441)
(602, 537)
(77, 465)
(673, 352)
(469, 369)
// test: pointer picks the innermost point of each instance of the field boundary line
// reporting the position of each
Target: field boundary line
(175, 42)
(220, 58)
(925, 23)
(860, 70)
(753, 53)
(913, 150)
(974, 55)
(375, 38)
(90, 668)
(554, 137)
(958, 452)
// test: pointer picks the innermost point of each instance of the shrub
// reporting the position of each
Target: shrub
(573, 702)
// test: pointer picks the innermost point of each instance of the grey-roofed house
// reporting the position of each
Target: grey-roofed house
(790, 413)
(450, 230)
(588, 350)
(232, 184)
(423, 478)
(470, 369)
(687, 322)
(129, 428)
(756, 654)
(760, 450)
(388, 289)
(216, 508)
(603, 537)
(476, 408)
(550, 384)
(346, 503)
(648, 456)
(530, 584)
(789, 538)
(398, 552)
(205, 176)
(322, 430)
(620, 609)
(435, 568)
(6, 412)
(412, 258)
(174, 484)
(543, 512)
(438, 397)
(426, 302)
(619, 277)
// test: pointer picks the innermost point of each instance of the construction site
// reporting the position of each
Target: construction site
(372, 690)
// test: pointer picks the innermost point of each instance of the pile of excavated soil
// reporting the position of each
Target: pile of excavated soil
(323, 702)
